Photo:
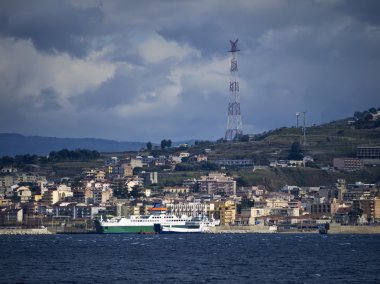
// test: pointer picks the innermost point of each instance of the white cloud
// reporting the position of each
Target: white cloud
(25, 72)
(156, 49)
(276, 38)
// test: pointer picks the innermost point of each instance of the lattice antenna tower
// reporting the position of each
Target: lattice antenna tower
(234, 123)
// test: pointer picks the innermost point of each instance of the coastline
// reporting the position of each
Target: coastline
(334, 229)
(17, 231)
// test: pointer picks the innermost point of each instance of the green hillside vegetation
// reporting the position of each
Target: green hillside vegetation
(324, 142)
(275, 179)
(57, 164)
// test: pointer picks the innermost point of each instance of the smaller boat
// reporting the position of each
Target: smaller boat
(199, 224)
(323, 228)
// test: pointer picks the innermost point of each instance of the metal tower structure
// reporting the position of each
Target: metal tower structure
(234, 122)
(297, 115)
(304, 128)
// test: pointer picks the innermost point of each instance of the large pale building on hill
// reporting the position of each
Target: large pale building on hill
(217, 183)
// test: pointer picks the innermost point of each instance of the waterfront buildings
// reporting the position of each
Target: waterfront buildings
(127, 186)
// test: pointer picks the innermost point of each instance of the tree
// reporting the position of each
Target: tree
(136, 192)
(373, 110)
(241, 181)
(163, 144)
(357, 114)
(368, 117)
(6, 161)
(245, 203)
(149, 146)
(168, 143)
(137, 170)
(244, 138)
(295, 152)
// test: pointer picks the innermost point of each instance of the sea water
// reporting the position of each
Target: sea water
(202, 258)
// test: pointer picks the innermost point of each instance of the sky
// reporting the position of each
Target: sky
(150, 70)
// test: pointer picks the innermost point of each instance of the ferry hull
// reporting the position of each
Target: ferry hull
(178, 230)
(142, 229)
(125, 229)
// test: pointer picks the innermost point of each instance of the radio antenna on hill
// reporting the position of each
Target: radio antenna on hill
(234, 124)
(297, 115)
(304, 127)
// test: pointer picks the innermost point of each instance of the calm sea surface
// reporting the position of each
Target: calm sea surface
(208, 258)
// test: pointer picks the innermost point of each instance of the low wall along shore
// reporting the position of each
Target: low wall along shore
(11, 231)
(334, 229)
(338, 229)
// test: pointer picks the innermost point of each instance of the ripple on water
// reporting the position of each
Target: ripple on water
(243, 258)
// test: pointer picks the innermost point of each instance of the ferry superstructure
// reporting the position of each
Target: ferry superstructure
(141, 223)
(198, 224)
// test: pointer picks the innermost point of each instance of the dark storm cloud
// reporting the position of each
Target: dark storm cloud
(115, 91)
(48, 99)
(168, 63)
(367, 11)
(52, 26)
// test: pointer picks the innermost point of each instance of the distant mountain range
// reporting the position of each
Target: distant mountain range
(17, 144)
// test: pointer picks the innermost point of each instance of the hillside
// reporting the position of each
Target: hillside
(276, 178)
(324, 142)
(16, 144)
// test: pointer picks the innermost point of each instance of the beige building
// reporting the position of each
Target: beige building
(184, 155)
(337, 205)
(101, 196)
(276, 203)
(177, 189)
(201, 158)
(342, 189)
(225, 211)
(64, 191)
(24, 193)
(128, 170)
(136, 163)
(100, 176)
(50, 197)
(250, 215)
(217, 183)
(6, 181)
(192, 208)
(126, 210)
(370, 207)
(11, 216)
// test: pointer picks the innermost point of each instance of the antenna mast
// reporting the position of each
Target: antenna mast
(234, 123)
(297, 115)
(304, 128)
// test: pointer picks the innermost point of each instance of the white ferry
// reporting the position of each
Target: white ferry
(199, 224)
(140, 223)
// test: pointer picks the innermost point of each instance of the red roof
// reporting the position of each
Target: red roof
(158, 209)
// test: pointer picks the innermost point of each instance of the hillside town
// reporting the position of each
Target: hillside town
(129, 184)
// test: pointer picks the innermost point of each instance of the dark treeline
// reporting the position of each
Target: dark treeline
(54, 156)
(206, 166)
(79, 154)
